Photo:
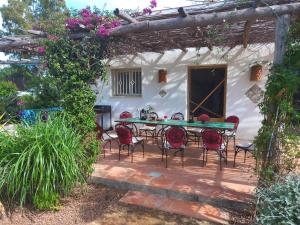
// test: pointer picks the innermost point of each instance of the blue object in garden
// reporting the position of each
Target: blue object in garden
(28, 116)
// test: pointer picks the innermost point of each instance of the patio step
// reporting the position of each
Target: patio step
(197, 210)
(158, 182)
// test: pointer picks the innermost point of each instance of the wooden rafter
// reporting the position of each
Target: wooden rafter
(247, 29)
(207, 19)
(19, 62)
(124, 16)
(134, 36)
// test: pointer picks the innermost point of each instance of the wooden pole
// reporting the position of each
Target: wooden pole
(208, 19)
(124, 16)
(281, 33)
(246, 33)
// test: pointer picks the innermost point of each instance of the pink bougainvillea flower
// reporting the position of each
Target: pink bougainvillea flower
(20, 102)
(85, 12)
(102, 31)
(115, 23)
(72, 23)
(86, 21)
(41, 50)
(147, 11)
(153, 4)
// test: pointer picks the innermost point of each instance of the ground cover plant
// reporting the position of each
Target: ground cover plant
(279, 204)
(41, 163)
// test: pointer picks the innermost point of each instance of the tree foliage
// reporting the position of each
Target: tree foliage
(45, 15)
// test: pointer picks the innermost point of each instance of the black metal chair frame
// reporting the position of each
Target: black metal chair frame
(131, 146)
(105, 142)
(177, 115)
(246, 149)
(220, 151)
(148, 131)
(164, 144)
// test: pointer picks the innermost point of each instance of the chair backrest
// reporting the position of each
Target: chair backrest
(176, 137)
(153, 115)
(125, 115)
(212, 137)
(233, 119)
(177, 116)
(124, 134)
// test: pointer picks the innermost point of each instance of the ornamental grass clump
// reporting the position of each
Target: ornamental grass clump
(40, 164)
(279, 204)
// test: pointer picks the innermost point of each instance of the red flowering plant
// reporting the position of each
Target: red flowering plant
(86, 20)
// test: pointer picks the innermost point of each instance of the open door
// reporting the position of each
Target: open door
(207, 92)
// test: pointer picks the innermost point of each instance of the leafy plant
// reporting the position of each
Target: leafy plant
(40, 163)
(280, 203)
(277, 142)
(7, 89)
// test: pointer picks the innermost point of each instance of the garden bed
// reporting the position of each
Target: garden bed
(96, 204)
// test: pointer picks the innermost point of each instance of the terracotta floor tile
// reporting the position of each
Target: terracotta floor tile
(208, 182)
(186, 208)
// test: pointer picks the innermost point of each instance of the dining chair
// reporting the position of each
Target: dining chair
(105, 137)
(149, 128)
(246, 147)
(213, 141)
(177, 116)
(195, 132)
(231, 133)
(174, 138)
(126, 138)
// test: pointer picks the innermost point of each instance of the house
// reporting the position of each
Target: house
(216, 82)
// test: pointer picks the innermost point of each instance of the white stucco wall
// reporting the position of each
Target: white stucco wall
(238, 61)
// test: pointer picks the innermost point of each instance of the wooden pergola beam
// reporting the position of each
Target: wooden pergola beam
(18, 43)
(208, 19)
(246, 33)
(124, 16)
(19, 62)
(37, 32)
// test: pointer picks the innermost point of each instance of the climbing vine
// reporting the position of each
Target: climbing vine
(277, 140)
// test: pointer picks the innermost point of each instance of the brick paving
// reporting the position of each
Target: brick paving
(192, 186)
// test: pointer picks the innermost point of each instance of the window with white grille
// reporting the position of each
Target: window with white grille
(126, 82)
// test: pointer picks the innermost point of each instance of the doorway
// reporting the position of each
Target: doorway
(207, 91)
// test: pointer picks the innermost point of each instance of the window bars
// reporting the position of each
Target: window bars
(126, 82)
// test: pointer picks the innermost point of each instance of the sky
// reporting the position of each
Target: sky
(125, 4)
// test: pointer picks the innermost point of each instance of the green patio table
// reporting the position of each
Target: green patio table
(210, 125)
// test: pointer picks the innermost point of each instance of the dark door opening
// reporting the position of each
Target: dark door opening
(207, 91)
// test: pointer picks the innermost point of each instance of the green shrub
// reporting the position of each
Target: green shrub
(41, 163)
(7, 89)
(280, 203)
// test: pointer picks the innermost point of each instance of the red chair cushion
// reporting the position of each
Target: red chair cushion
(124, 135)
(176, 137)
(212, 139)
